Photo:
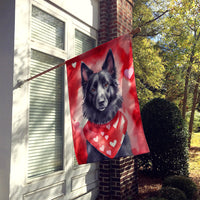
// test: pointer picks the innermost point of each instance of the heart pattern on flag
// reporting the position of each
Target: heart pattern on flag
(113, 144)
(128, 72)
(108, 138)
(102, 148)
(108, 152)
(108, 126)
(74, 65)
(116, 123)
(96, 139)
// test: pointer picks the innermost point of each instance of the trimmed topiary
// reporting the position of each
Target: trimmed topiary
(167, 138)
(171, 193)
(183, 183)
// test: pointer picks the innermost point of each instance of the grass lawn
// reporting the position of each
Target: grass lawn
(195, 142)
(194, 160)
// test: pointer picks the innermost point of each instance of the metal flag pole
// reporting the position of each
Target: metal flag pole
(135, 32)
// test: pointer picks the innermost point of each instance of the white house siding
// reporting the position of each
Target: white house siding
(85, 10)
(73, 182)
(6, 78)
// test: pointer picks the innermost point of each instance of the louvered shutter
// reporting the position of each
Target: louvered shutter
(83, 43)
(46, 28)
(45, 138)
(45, 144)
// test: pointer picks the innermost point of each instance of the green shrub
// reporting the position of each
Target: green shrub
(167, 138)
(183, 183)
(171, 193)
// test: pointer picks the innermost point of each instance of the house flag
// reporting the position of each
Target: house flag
(104, 108)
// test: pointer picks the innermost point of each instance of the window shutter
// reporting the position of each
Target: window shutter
(83, 43)
(45, 143)
(45, 138)
(46, 28)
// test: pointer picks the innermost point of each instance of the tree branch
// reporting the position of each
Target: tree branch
(149, 87)
(150, 21)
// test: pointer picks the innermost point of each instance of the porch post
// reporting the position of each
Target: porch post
(117, 177)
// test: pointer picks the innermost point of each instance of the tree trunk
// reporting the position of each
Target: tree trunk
(193, 109)
(188, 74)
(198, 99)
(185, 91)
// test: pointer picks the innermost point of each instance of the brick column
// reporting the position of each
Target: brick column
(117, 177)
(115, 19)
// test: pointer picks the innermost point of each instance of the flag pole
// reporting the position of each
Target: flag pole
(134, 33)
(20, 83)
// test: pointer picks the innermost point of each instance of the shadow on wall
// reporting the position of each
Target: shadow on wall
(30, 151)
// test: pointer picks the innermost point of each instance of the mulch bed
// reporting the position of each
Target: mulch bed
(195, 171)
(149, 186)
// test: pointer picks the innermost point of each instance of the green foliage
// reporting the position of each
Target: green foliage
(180, 44)
(174, 76)
(149, 67)
(196, 124)
(183, 183)
(166, 52)
(167, 137)
(171, 193)
(144, 14)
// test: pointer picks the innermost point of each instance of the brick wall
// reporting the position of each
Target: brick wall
(115, 19)
(118, 177)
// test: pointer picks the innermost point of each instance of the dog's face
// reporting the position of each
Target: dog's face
(100, 91)
(100, 88)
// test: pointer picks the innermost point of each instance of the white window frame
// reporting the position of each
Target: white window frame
(52, 51)
(23, 46)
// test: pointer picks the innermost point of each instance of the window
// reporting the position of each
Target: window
(45, 139)
(47, 29)
(42, 160)
(83, 43)
(46, 109)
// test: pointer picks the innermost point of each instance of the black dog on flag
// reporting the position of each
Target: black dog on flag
(106, 128)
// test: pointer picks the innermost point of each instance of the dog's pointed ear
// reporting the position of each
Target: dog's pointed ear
(109, 64)
(85, 72)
